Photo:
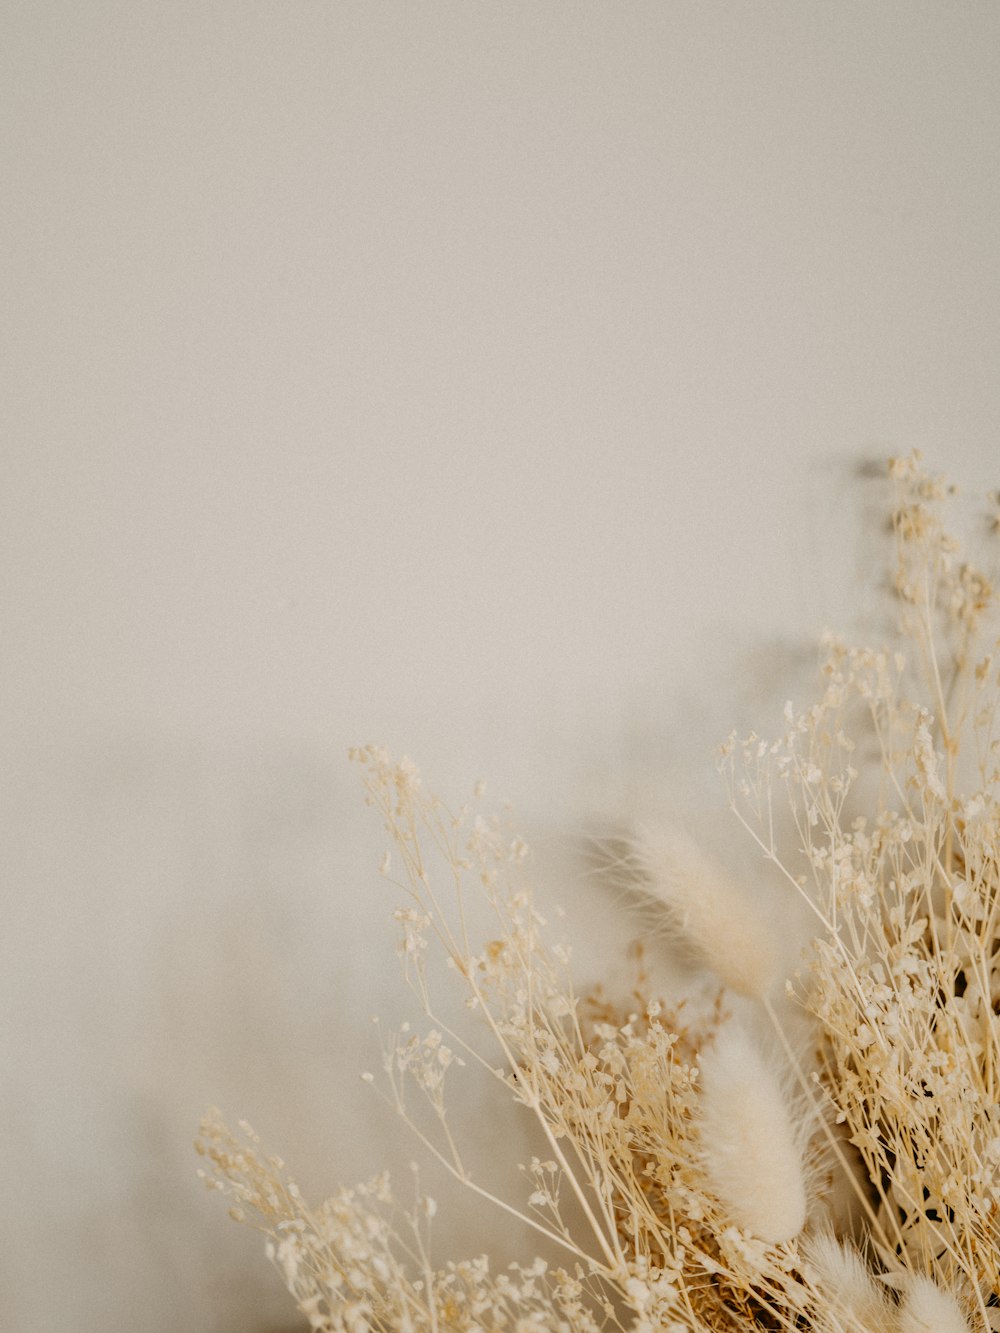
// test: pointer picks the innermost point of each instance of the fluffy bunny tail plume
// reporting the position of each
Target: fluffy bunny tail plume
(751, 1152)
(928, 1308)
(722, 920)
(852, 1299)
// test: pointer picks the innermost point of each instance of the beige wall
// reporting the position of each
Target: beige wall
(487, 379)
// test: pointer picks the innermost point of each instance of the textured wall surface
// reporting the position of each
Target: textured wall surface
(494, 381)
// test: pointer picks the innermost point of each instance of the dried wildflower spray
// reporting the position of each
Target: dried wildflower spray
(683, 1181)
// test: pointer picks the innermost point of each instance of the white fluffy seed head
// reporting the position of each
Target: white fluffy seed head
(728, 927)
(752, 1151)
(852, 1299)
(928, 1308)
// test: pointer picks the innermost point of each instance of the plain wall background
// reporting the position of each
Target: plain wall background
(490, 380)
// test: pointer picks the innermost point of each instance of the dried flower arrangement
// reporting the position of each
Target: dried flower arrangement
(694, 1176)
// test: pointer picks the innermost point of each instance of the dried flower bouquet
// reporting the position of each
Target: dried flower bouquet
(842, 1176)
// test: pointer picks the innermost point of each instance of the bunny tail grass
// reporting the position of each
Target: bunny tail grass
(723, 921)
(928, 1308)
(752, 1152)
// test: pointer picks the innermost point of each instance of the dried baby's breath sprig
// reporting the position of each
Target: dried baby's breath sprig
(361, 1261)
(621, 1189)
(902, 877)
(684, 1176)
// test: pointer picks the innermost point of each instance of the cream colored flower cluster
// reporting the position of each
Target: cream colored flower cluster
(814, 1147)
